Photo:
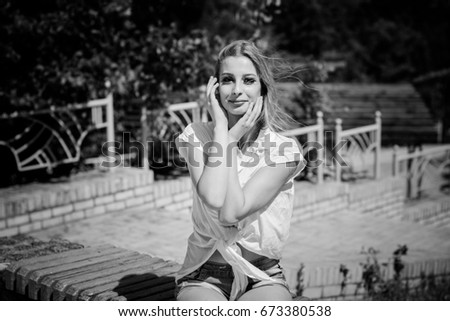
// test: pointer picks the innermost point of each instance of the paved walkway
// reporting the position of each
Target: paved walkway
(151, 231)
(340, 238)
(330, 240)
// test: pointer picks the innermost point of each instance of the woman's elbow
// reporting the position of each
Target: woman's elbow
(228, 218)
(211, 200)
(227, 221)
(214, 203)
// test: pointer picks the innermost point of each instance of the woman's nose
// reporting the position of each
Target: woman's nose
(237, 89)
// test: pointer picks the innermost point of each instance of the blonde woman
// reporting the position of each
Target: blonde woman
(242, 173)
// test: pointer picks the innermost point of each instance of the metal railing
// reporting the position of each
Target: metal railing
(48, 138)
(359, 142)
(164, 124)
(313, 133)
(424, 170)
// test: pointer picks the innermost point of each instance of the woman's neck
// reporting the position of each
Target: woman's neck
(250, 136)
(232, 120)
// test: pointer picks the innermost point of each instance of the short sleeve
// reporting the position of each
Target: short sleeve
(288, 151)
(186, 140)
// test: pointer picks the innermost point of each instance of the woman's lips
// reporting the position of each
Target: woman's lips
(237, 102)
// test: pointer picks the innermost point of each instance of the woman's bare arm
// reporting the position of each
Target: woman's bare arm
(258, 192)
(208, 169)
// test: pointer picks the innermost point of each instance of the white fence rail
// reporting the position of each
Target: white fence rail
(359, 142)
(424, 170)
(315, 134)
(163, 124)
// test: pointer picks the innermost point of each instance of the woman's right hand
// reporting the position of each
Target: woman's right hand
(217, 113)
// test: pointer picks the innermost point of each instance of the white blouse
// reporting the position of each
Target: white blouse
(263, 232)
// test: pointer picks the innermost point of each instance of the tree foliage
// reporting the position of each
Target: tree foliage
(56, 52)
(59, 52)
(379, 40)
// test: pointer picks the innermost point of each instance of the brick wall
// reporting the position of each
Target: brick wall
(39, 206)
(432, 212)
(383, 197)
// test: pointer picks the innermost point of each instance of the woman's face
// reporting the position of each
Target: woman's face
(239, 84)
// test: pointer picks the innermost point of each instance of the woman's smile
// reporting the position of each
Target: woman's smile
(237, 103)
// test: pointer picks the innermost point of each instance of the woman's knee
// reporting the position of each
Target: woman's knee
(198, 293)
(270, 292)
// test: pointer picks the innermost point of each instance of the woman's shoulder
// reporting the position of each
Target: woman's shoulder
(201, 126)
(198, 131)
(282, 149)
(277, 139)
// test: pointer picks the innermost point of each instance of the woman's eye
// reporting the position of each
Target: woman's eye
(249, 81)
(226, 79)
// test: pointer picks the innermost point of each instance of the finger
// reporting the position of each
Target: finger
(251, 106)
(208, 98)
(259, 108)
(211, 82)
(250, 112)
(213, 92)
(254, 112)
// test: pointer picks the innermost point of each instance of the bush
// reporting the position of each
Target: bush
(377, 287)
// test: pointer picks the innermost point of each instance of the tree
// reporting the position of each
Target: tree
(379, 40)
(63, 52)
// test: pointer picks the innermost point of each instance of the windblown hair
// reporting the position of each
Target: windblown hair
(272, 115)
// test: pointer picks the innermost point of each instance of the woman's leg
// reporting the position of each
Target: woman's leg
(199, 293)
(269, 292)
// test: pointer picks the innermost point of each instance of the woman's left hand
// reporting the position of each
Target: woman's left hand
(247, 121)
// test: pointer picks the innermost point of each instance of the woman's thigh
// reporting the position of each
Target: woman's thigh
(199, 293)
(269, 292)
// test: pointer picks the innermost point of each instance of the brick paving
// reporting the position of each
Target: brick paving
(321, 241)
(152, 231)
(340, 238)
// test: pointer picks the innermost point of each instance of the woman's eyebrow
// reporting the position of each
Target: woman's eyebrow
(230, 74)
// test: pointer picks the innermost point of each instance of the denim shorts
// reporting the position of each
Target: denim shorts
(219, 276)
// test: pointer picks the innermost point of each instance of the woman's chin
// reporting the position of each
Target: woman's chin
(238, 111)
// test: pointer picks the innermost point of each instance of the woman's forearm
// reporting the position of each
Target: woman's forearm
(212, 185)
(235, 199)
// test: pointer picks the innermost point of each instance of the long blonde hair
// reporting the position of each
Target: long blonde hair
(272, 115)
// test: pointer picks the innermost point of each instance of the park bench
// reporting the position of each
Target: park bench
(99, 273)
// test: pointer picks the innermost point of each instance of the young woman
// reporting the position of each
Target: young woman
(242, 173)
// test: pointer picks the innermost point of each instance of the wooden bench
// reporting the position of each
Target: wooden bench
(93, 273)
